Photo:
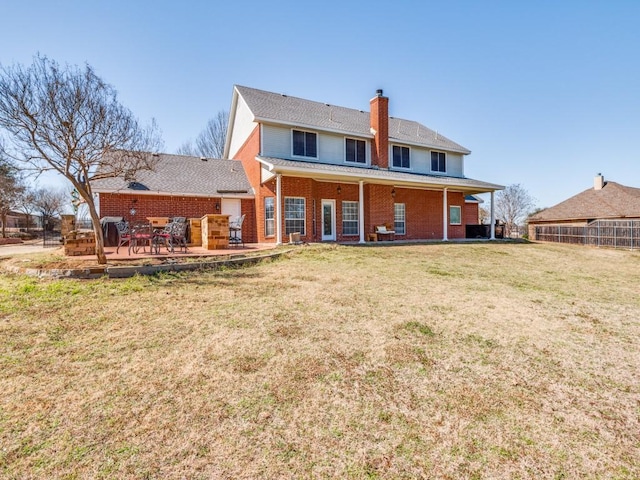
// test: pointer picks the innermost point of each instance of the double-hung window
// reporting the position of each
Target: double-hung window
(294, 212)
(269, 217)
(438, 162)
(305, 144)
(399, 220)
(401, 157)
(455, 215)
(350, 218)
(355, 151)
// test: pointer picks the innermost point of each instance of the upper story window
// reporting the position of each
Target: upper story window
(355, 151)
(438, 162)
(401, 157)
(305, 144)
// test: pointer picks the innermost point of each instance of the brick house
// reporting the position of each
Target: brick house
(180, 186)
(334, 173)
(606, 201)
(329, 173)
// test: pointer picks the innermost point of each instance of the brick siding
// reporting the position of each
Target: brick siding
(119, 205)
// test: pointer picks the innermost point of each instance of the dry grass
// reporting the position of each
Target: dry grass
(439, 361)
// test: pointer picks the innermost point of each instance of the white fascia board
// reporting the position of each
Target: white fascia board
(304, 126)
(232, 118)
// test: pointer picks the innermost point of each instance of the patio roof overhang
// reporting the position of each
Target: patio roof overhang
(347, 174)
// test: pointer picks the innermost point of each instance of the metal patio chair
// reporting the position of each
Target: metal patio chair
(123, 234)
(235, 227)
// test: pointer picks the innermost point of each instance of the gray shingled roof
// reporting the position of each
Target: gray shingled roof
(181, 174)
(612, 201)
(382, 174)
(275, 107)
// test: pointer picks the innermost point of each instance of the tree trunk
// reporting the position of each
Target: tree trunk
(4, 223)
(97, 230)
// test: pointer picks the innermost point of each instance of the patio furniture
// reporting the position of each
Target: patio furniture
(123, 233)
(140, 235)
(382, 232)
(235, 227)
(162, 237)
(178, 235)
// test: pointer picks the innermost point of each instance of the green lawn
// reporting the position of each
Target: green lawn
(427, 361)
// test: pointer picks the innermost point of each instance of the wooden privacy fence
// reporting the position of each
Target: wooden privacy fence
(601, 233)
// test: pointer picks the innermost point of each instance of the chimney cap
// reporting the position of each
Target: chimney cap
(379, 92)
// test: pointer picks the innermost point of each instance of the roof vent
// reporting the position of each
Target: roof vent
(379, 92)
(137, 186)
(155, 154)
(204, 159)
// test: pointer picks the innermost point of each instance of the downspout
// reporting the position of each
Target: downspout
(444, 216)
(279, 209)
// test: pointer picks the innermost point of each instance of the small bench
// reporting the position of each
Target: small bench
(382, 231)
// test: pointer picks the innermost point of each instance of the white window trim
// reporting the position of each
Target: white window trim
(431, 163)
(366, 152)
(459, 214)
(404, 219)
(357, 220)
(391, 157)
(317, 144)
(272, 219)
(304, 218)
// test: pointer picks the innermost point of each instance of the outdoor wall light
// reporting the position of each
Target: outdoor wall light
(339, 189)
(393, 192)
(217, 207)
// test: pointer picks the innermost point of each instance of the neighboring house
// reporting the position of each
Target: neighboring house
(329, 173)
(606, 201)
(180, 186)
(334, 173)
(18, 221)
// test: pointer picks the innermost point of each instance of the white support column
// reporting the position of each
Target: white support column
(361, 210)
(444, 216)
(279, 209)
(493, 219)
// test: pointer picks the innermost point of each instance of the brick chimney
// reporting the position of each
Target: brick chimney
(598, 182)
(379, 120)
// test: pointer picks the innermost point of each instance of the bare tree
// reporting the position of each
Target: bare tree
(50, 203)
(210, 142)
(484, 215)
(69, 120)
(512, 206)
(11, 188)
(27, 205)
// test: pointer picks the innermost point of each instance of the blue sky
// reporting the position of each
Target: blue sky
(545, 93)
